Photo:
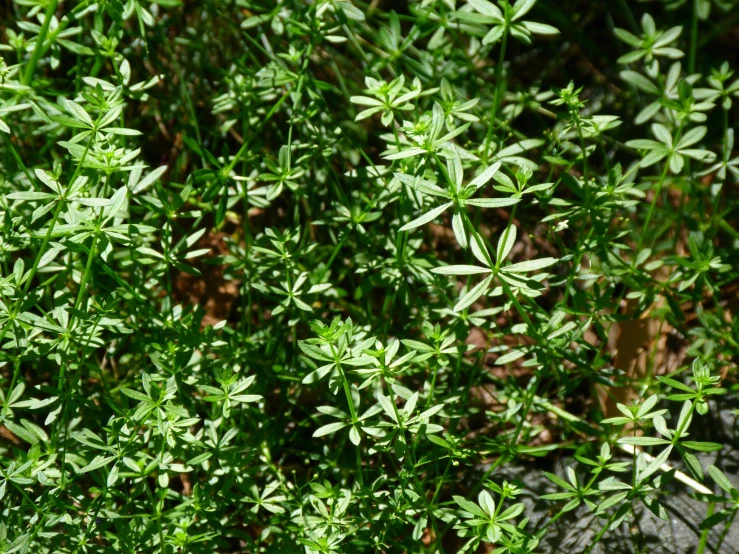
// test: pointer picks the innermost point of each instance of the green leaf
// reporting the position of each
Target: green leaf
(136, 395)
(521, 8)
(640, 82)
(505, 243)
(484, 177)
(425, 218)
(329, 429)
(245, 398)
(566, 328)
(702, 446)
(492, 202)
(407, 153)
(460, 270)
(30, 195)
(473, 294)
(510, 357)
(540, 28)
(693, 464)
(97, 463)
(79, 113)
(199, 459)
(21, 432)
(675, 384)
(470, 507)
(486, 502)
(530, 265)
(314, 352)
(511, 512)
(715, 519)
(486, 7)
(643, 441)
(616, 420)
(611, 501)
(721, 479)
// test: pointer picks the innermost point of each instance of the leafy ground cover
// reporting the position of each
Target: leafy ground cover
(330, 276)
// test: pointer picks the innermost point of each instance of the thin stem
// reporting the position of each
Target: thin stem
(602, 532)
(38, 49)
(17, 157)
(704, 533)
(244, 147)
(185, 93)
(499, 86)
(725, 532)
(352, 409)
(32, 273)
(62, 370)
(629, 15)
(693, 38)
(652, 206)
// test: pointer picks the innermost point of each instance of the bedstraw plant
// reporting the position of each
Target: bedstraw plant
(313, 276)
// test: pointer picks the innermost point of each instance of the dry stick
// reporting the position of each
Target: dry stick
(679, 475)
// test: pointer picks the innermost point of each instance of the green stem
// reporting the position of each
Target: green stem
(39, 47)
(499, 86)
(501, 459)
(62, 372)
(725, 155)
(36, 262)
(352, 409)
(725, 532)
(576, 116)
(530, 395)
(578, 259)
(335, 253)
(541, 532)
(86, 275)
(693, 38)
(629, 15)
(602, 532)
(20, 490)
(185, 93)
(368, 206)
(17, 158)
(652, 206)
(704, 533)
(229, 168)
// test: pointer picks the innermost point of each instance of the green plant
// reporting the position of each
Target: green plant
(319, 276)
